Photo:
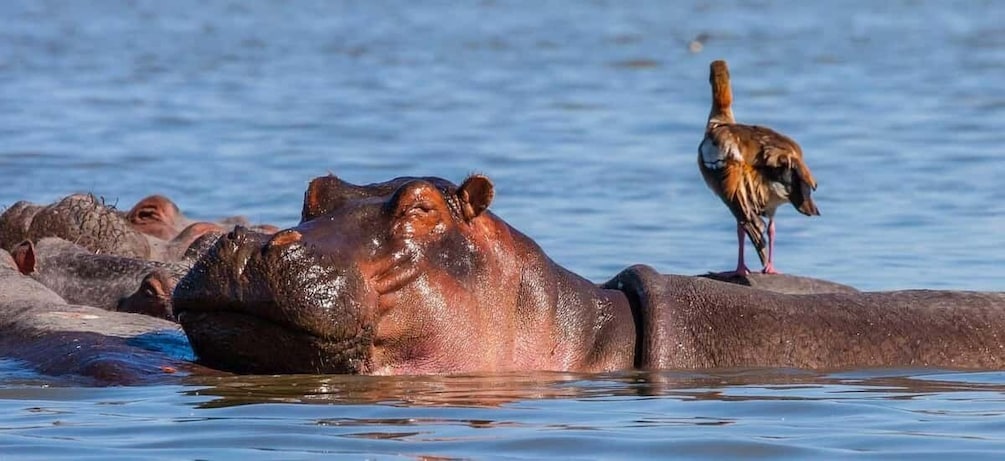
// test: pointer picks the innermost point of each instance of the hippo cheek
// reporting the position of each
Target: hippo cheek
(253, 304)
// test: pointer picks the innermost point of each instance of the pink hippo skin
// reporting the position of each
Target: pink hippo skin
(416, 276)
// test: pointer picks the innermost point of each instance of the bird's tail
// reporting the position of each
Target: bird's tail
(808, 207)
(800, 195)
(755, 230)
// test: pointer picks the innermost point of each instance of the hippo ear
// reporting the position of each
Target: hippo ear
(475, 195)
(155, 208)
(325, 194)
(152, 298)
(24, 257)
(155, 285)
(152, 214)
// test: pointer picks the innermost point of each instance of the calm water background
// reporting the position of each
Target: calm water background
(587, 117)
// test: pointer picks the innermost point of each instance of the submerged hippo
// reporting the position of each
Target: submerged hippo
(159, 217)
(84, 343)
(415, 276)
(105, 281)
(153, 229)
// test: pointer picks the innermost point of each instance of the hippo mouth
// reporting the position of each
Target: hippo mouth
(243, 343)
(255, 303)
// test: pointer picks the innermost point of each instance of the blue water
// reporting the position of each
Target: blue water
(587, 116)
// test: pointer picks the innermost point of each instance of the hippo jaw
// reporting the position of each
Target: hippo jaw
(255, 304)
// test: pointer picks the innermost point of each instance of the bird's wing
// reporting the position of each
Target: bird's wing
(735, 183)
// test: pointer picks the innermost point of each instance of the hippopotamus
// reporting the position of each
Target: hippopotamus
(159, 217)
(83, 343)
(417, 276)
(182, 246)
(80, 218)
(153, 229)
(100, 280)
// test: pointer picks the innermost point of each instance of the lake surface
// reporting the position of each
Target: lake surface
(587, 117)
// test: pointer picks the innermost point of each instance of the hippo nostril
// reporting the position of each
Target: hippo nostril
(238, 232)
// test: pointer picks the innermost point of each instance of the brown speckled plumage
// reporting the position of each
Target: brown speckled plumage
(753, 169)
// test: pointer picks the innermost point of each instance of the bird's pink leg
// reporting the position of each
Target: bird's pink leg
(741, 268)
(769, 268)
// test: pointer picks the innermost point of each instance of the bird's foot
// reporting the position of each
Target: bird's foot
(770, 269)
(741, 271)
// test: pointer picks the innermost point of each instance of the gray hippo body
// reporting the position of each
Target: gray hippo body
(108, 282)
(693, 322)
(85, 344)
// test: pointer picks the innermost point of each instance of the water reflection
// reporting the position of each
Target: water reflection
(499, 390)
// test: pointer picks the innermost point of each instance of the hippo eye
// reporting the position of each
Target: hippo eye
(420, 208)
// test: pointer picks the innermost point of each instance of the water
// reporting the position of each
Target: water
(587, 116)
(716, 415)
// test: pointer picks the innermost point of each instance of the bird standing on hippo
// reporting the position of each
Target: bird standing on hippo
(753, 169)
(417, 276)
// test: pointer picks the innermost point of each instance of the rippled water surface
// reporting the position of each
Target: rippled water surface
(587, 116)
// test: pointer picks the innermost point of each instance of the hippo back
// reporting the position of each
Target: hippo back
(693, 322)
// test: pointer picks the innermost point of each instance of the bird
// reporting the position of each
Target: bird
(753, 169)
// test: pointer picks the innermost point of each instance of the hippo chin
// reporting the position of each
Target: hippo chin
(415, 276)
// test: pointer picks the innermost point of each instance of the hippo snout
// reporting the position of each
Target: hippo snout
(241, 235)
(249, 286)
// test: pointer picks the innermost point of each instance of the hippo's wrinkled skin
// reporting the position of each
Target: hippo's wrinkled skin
(105, 281)
(180, 248)
(415, 276)
(789, 284)
(695, 322)
(15, 221)
(80, 218)
(153, 229)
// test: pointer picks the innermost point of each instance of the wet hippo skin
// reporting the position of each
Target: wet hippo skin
(398, 277)
(791, 284)
(415, 275)
(86, 344)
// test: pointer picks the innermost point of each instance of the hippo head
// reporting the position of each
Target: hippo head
(157, 216)
(394, 277)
